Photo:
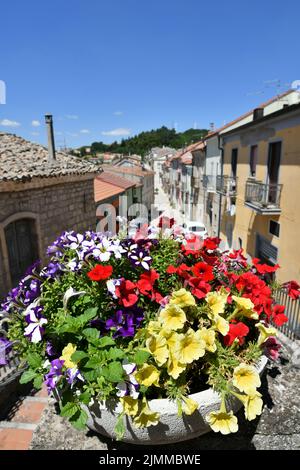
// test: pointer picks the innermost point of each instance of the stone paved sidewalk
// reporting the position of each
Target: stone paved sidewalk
(278, 428)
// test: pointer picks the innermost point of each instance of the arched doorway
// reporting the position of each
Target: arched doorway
(22, 246)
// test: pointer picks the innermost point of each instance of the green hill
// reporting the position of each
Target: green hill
(143, 142)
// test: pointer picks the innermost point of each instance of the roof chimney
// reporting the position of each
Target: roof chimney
(51, 144)
(258, 113)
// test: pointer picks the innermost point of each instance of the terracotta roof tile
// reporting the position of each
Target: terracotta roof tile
(104, 190)
(115, 179)
(21, 160)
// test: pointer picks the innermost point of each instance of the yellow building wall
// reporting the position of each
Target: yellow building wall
(247, 223)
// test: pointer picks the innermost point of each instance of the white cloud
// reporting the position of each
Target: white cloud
(118, 113)
(72, 116)
(35, 123)
(72, 134)
(9, 123)
(117, 132)
(58, 133)
(35, 133)
(85, 131)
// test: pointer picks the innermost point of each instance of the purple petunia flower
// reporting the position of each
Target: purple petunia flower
(140, 258)
(73, 374)
(55, 372)
(35, 320)
(50, 350)
(5, 347)
(53, 269)
(129, 386)
(125, 321)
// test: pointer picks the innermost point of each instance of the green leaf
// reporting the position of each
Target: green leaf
(93, 374)
(92, 363)
(34, 360)
(85, 397)
(114, 372)
(69, 409)
(140, 357)
(106, 341)
(120, 427)
(79, 419)
(38, 382)
(92, 334)
(27, 376)
(87, 315)
(77, 356)
(115, 353)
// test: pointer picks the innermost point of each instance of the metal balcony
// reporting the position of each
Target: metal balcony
(226, 185)
(209, 183)
(263, 198)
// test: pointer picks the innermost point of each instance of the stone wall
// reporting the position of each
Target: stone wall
(62, 206)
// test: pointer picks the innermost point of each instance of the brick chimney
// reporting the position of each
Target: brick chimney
(51, 143)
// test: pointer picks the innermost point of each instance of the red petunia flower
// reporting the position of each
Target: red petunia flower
(293, 289)
(126, 293)
(199, 287)
(146, 282)
(100, 273)
(171, 269)
(204, 271)
(278, 316)
(181, 270)
(166, 222)
(192, 245)
(236, 330)
(211, 243)
(264, 268)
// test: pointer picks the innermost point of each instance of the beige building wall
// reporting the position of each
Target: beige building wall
(246, 223)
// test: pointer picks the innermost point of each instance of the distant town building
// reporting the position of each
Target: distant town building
(112, 189)
(260, 190)
(143, 179)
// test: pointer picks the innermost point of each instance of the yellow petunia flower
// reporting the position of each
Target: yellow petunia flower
(221, 325)
(146, 417)
(147, 375)
(130, 405)
(157, 346)
(244, 307)
(189, 347)
(252, 405)
(222, 421)
(172, 317)
(153, 327)
(66, 356)
(189, 406)
(246, 378)
(175, 368)
(264, 333)
(217, 301)
(209, 337)
(182, 298)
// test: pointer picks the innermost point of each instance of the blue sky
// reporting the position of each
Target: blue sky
(110, 68)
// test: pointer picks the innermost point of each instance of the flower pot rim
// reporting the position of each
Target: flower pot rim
(165, 406)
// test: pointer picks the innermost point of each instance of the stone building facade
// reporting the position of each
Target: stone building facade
(38, 201)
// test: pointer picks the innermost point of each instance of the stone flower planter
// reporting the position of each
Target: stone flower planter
(171, 428)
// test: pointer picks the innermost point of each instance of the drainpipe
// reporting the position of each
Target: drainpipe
(220, 195)
(50, 133)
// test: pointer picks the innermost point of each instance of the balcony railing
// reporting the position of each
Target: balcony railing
(226, 185)
(209, 183)
(263, 198)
